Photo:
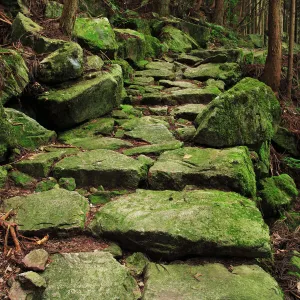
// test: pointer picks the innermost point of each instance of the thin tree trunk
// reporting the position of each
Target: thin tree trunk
(291, 48)
(162, 7)
(272, 72)
(219, 12)
(68, 17)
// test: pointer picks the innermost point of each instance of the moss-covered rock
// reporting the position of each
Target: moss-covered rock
(277, 194)
(251, 111)
(137, 263)
(152, 73)
(27, 132)
(39, 165)
(198, 32)
(46, 185)
(177, 40)
(3, 177)
(57, 209)
(287, 142)
(182, 96)
(169, 224)
(295, 264)
(188, 111)
(209, 281)
(62, 65)
(14, 74)
(230, 73)
(21, 179)
(97, 34)
(291, 166)
(102, 167)
(81, 101)
(53, 9)
(76, 276)
(67, 183)
(29, 34)
(154, 47)
(229, 169)
(186, 133)
(257, 40)
(227, 55)
(261, 160)
(126, 68)
(154, 148)
(132, 44)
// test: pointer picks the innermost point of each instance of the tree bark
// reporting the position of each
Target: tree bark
(68, 17)
(272, 72)
(291, 49)
(219, 12)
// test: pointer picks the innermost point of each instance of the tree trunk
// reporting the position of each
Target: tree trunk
(219, 12)
(291, 48)
(272, 72)
(68, 17)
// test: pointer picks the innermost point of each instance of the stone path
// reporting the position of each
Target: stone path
(177, 199)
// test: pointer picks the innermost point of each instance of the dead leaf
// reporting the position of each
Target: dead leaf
(43, 240)
(187, 156)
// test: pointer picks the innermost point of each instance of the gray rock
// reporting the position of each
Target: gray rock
(94, 275)
(36, 260)
(32, 280)
(188, 111)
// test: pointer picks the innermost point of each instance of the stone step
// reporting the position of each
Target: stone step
(211, 281)
(170, 224)
(102, 167)
(228, 169)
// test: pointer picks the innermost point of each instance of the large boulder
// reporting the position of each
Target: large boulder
(209, 281)
(96, 34)
(177, 40)
(102, 167)
(132, 44)
(87, 99)
(169, 224)
(14, 74)
(247, 114)
(219, 55)
(88, 275)
(62, 65)
(27, 132)
(29, 33)
(230, 73)
(57, 209)
(228, 169)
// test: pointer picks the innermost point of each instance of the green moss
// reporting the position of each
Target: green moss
(21, 179)
(3, 177)
(250, 109)
(97, 34)
(67, 183)
(177, 40)
(62, 65)
(136, 263)
(126, 67)
(53, 10)
(277, 194)
(46, 185)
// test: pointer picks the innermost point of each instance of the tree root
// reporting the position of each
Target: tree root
(11, 230)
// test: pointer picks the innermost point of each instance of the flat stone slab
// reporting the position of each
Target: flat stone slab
(93, 143)
(228, 169)
(170, 224)
(182, 96)
(160, 65)
(95, 275)
(209, 282)
(149, 129)
(39, 165)
(57, 209)
(179, 83)
(188, 111)
(157, 74)
(102, 167)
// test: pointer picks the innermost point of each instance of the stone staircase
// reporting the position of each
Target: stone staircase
(177, 201)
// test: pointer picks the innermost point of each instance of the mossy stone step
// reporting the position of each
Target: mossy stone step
(84, 100)
(211, 281)
(102, 167)
(170, 224)
(88, 275)
(229, 169)
(53, 210)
